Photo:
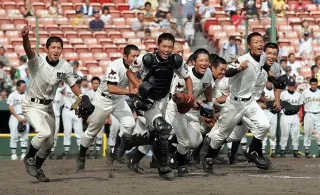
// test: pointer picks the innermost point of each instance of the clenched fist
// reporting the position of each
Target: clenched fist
(25, 31)
(243, 66)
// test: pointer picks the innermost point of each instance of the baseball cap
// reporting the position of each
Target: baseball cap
(173, 20)
(288, 68)
(291, 82)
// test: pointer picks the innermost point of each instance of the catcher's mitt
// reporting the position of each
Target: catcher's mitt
(83, 107)
(21, 127)
(184, 102)
(207, 114)
(141, 104)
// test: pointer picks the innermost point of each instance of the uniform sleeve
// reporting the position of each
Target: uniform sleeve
(112, 73)
(71, 76)
(183, 71)
(10, 100)
(35, 63)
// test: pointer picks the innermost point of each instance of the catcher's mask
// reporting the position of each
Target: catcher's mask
(207, 114)
(142, 104)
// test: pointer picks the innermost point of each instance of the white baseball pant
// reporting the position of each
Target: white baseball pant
(142, 128)
(273, 118)
(158, 110)
(289, 125)
(311, 122)
(114, 129)
(239, 132)
(14, 134)
(71, 121)
(41, 118)
(104, 106)
(57, 127)
(231, 114)
(187, 128)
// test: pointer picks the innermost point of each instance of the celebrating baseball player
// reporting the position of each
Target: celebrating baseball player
(157, 71)
(45, 76)
(109, 98)
(17, 122)
(311, 104)
(289, 120)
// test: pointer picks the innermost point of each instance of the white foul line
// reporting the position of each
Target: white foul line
(280, 176)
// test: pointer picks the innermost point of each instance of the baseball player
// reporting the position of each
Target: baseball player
(187, 126)
(110, 99)
(14, 103)
(45, 75)
(95, 82)
(289, 119)
(57, 103)
(241, 103)
(70, 121)
(157, 71)
(311, 104)
(84, 85)
(273, 118)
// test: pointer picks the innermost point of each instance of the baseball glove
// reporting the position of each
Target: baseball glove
(184, 102)
(83, 107)
(141, 104)
(21, 127)
(207, 114)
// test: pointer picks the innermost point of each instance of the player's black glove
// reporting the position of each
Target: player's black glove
(21, 127)
(83, 107)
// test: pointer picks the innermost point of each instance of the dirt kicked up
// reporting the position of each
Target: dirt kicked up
(288, 176)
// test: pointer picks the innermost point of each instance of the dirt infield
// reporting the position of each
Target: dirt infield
(289, 176)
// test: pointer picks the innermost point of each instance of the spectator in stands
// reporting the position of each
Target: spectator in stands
(305, 27)
(189, 31)
(279, 6)
(87, 9)
(136, 5)
(161, 14)
(78, 20)
(84, 85)
(305, 45)
(230, 50)
(164, 4)
(75, 65)
(288, 71)
(106, 16)
(237, 17)
(314, 70)
(138, 24)
(165, 23)
(187, 7)
(55, 9)
(317, 61)
(22, 72)
(317, 2)
(230, 5)
(27, 9)
(3, 58)
(148, 12)
(175, 29)
(147, 34)
(154, 4)
(251, 9)
(265, 8)
(155, 23)
(206, 11)
(96, 24)
(239, 42)
(3, 75)
(10, 82)
(3, 94)
(301, 6)
(283, 64)
(293, 63)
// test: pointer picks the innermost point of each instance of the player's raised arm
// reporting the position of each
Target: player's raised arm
(236, 68)
(26, 43)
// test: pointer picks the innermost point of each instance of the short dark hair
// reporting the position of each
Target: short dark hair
(198, 52)
(216, 60)
(23, 59)
(95, 79)
(313, 80)
(313, 67)
(128, 48)
(251, 35)
(52, 40)
(283, 60)
(147, 3)
(140, 13)
(272, 46)
(1, 64)
(232, 38)
(190, 58)
(20, 82)
(166, 37)
(290, 54)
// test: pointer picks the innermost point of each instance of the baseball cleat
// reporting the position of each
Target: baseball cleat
(81, 164)
(307, 154)
(296, 154)
(22, 156)
(14, 157)
(41, 176)
(238, 158)
(166, 173)
(136, 167)
(207, 163)
(183, 171)
(283, 154)
(125, 139)
(261, 162)
(115, 157)
(30, 164)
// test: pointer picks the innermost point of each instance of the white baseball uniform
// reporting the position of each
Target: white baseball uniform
(290, 124)
(241, 103)
(187, 126)
(70, 120)
(106, 103)
(14, 100)
(311, 101)
(37, 105)
(57, 103)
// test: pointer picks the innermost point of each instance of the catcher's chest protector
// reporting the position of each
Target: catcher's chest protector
(160, 76)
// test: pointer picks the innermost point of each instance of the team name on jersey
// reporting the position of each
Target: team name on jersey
(16, 102)
(291, 101)
(312, 99)
(70, 95)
